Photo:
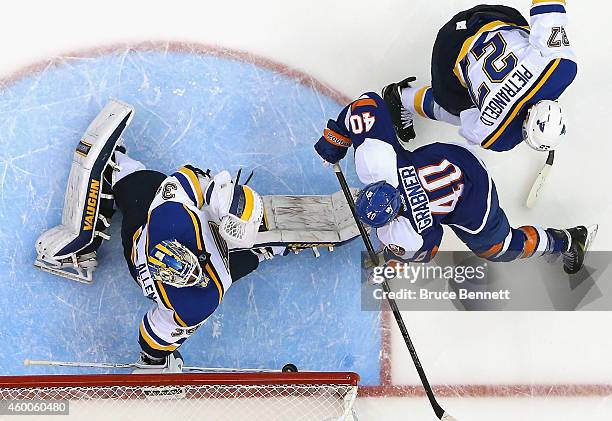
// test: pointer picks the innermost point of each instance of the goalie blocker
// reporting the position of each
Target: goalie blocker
(69, 249)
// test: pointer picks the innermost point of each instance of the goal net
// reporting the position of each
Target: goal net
(203, 396)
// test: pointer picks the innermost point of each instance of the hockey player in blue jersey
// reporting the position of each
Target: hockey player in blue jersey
(410, 195)
(496, 77)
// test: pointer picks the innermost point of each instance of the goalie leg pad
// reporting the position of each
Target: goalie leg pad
(69, 249)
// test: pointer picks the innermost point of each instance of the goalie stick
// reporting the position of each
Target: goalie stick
(538, 185)
(439, 411)
(28, 362)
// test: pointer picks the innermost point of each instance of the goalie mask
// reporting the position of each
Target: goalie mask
(174, 264)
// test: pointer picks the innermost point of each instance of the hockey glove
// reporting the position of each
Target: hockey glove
(218, 195)
(333, 145)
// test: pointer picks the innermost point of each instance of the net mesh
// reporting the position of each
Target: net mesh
(234, 228)
(196, 402)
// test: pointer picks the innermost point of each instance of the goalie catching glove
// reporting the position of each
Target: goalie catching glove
(237, 209)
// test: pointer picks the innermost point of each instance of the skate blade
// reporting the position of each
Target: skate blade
(592, 233)
(87, 279)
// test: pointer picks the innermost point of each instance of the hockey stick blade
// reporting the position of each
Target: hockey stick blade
(28, 362)
(540, 181)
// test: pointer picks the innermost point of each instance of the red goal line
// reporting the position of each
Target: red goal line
(388, 389)
(491, 391)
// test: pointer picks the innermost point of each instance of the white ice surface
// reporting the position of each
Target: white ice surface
(359, 45)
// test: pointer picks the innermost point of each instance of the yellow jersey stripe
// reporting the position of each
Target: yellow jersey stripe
(213, 276)
(152, 343)
(418, 101)
(249, 203)
(520, 105)
(134, 241)
(177, 319)
(196, 225)
(468, 43)
(534, 2)
(146, 250)
(167, 303)
(163, 295)
(193, 178)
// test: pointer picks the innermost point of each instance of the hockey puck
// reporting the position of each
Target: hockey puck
(289, 368)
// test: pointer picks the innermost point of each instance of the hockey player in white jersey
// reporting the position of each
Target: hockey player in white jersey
(186, 237)
(178, 235)
(496, 77)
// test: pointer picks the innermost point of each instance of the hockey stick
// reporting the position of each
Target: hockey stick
(440, 412)
(538, 184)
(28, 362)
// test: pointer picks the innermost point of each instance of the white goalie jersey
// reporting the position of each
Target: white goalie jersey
(177, 212)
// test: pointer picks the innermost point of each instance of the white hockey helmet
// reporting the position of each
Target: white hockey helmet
(544, 126)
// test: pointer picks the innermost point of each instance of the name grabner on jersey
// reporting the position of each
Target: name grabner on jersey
(417, 198)
(496, 106)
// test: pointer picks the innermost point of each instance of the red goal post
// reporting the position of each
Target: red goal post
(321, 396)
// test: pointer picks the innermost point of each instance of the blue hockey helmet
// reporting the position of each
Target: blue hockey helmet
(378, 204)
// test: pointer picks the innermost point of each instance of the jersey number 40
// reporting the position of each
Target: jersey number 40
(362, 122)
(444, 186)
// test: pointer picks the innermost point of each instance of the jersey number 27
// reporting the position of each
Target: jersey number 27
(497, 65)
